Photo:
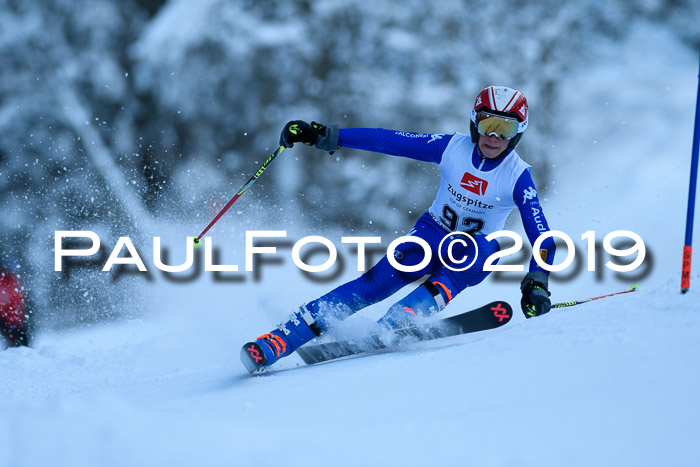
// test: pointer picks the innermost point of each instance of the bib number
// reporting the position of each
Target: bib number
(469, 225)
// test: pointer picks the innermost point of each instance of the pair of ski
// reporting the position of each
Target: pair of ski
(490, 316)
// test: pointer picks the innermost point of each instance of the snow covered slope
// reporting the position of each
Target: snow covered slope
(612, 382)
(605, 383)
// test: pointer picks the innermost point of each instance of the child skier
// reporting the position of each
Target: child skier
(482, 180)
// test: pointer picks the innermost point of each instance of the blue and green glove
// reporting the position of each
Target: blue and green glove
(535, 301)
(324, 137)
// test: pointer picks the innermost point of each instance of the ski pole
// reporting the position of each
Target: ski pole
(238, 194)
(586, 300)
(688, 245)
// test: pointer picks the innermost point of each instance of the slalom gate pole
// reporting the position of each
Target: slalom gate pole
(688, 246)
(586, 300)
(238, 194)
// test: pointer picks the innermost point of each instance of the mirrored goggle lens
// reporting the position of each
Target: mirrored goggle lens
(502, 127)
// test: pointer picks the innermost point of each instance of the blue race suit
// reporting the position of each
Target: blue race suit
(465, 159)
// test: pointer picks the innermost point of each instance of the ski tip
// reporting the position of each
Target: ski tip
(253, 357)
(196, 242)
(502, 311)
(634, 287)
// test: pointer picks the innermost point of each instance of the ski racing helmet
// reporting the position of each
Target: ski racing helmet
(501, 111)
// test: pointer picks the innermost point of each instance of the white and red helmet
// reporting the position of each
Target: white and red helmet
(501, 100)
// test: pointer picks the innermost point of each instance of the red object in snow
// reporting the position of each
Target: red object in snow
(12, 304)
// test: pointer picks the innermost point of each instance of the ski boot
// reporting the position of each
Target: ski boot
(423, 302)
(280, 342)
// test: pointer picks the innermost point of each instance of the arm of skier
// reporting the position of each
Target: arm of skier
(535, 285)
(418, 146)
(534, 221)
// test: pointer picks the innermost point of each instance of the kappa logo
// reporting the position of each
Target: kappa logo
(528, 194)
(474, 184)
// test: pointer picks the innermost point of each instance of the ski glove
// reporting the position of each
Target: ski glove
(324, 137)
(535, 301)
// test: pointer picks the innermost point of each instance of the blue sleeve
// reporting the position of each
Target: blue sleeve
(525, 197)
(418, 146)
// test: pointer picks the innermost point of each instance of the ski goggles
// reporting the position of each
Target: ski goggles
(490, 124)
